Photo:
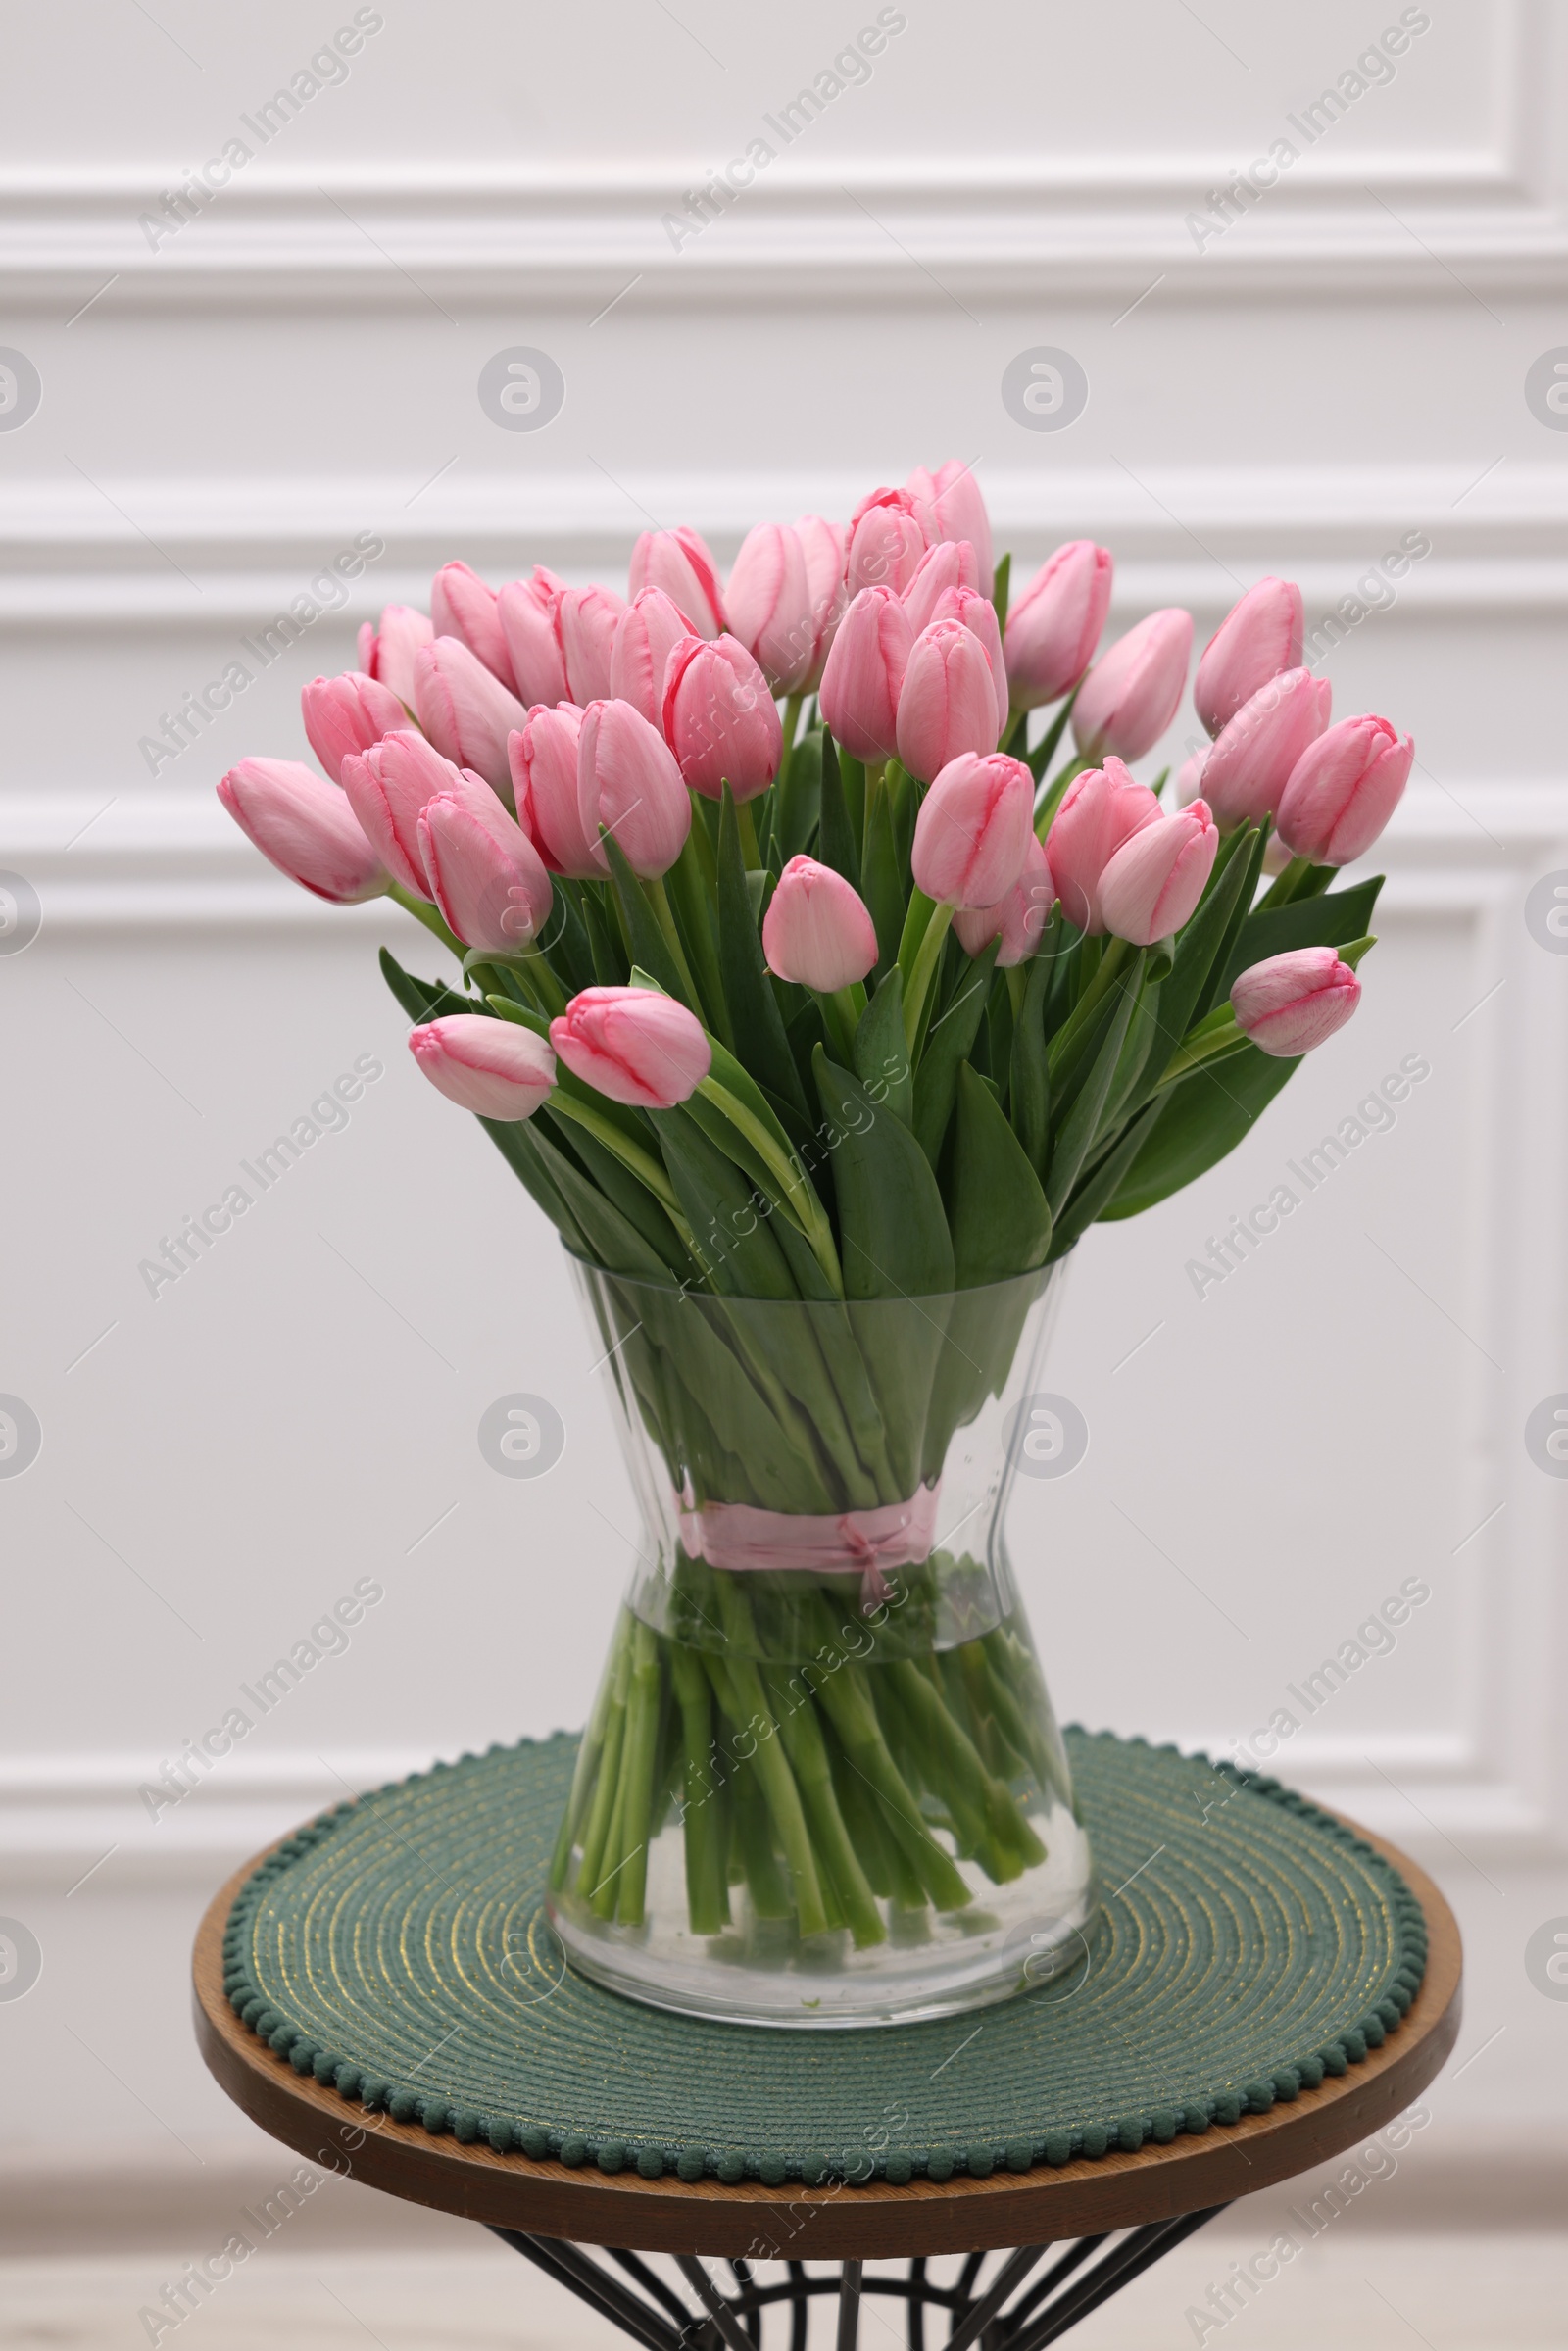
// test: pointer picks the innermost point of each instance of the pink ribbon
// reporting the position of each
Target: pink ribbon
(736, 1537)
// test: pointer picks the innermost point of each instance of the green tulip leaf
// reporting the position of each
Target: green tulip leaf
(996, 1207)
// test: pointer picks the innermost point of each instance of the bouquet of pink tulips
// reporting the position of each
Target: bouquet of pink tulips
(789, 968)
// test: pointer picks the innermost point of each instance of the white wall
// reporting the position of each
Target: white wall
(224, 408)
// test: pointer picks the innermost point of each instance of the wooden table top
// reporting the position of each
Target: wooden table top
(878, 2221)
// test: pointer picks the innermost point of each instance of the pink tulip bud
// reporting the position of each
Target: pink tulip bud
(304, 826)
(1153, 884)
(387, 652)
(817, 930)
(629, 783)
(1054, 625)
(529, 614)
(646, 635)
(947, 705)
(467, 713)
(949, 505)
(720, 720)
(951, 563)
(863, 674)
(1253, 761)
(463, 606)
(769, 602)
(1020, 917)
(587, 619)
(1343, 789)
(1130, 695)
(484, 872)
(979, 616)
(1100, 810)
(974, 828)
(679, 563)
(826, 549)
(544, 782)
(493, 1067)
(1258, 637)
(633, 1044)
(1294, 1002)
(887, 540)
(388, 788)
(345, 714)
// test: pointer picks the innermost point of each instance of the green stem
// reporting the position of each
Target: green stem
(796, 1716)
(663, 915)
(638, 1162)
(607, 1784)
(707, 1889)
(422, 912)
(773, 1764)
(740, 1692)
(642, 1742)
(588, 1754)
(849, 1706)
(751, 855)
(1084, 1011)
(792, 720)
(798, 1198)
(923, 972)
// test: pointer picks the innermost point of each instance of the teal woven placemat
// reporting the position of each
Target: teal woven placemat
(398, 1948)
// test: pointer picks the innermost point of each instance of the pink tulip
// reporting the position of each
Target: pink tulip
(817, 930)
(950, 565)
(1343, 789)
(484, 872)
(633, 1044)
(679, 563)
(769, 602)
(493, 1067)
(949, 505)
(1253, 761)
(1153, 884)
(973, 835)
(587, 619)
(529, 614)
(388, 786)
(463, 606)
(629, 783)
(345, 714)
(387, 652)
(1054, 625)
(1020, 917)
(544, 782)
(719, 718)
(467, 713)
(825, 546)
(863, 674)
(304, 826)
(646, 635)
(979, 616)
(887, 540)
(1100, 810)
(1294, 1002)
(1130, 695)
(1258, 637)
(947, 705)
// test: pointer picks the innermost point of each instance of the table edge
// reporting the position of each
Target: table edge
(876, 2221)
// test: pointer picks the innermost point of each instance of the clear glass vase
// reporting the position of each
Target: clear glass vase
(823, 1782)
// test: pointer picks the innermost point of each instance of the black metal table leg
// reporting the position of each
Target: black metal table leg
(1078, 2282)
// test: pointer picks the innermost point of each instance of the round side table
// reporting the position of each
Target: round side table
(378, 1992)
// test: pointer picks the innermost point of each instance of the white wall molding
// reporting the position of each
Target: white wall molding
(1339, 222)
(231, 549)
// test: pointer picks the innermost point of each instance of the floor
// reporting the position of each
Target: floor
(1359, 2289)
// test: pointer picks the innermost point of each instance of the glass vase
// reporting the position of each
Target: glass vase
(822, 1784)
